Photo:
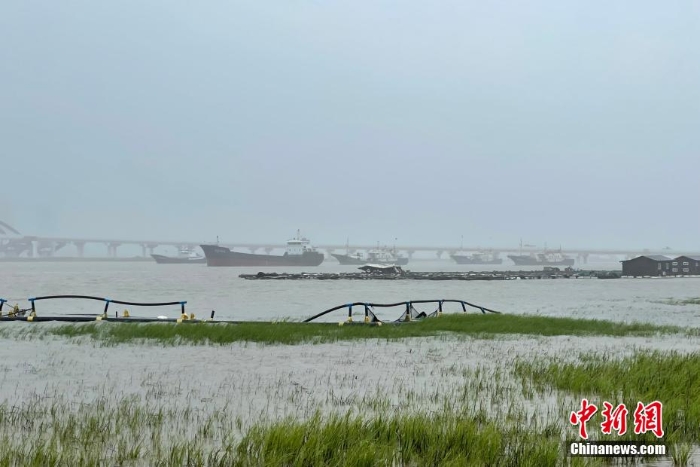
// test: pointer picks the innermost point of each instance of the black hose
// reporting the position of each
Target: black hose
(388, 305)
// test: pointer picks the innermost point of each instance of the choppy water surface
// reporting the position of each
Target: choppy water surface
(221, 289)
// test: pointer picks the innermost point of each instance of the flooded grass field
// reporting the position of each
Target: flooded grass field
(461, 389)
(503, 400)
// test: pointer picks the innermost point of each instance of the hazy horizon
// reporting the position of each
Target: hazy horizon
(570, 124)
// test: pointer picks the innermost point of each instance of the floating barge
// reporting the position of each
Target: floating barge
(396, 273)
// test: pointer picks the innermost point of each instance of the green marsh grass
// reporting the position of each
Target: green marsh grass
(47, 431)
(669, 377)
(295, 333)
(443, 439)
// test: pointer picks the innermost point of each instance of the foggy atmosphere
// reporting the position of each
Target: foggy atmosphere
(566, 124)
(349, 233)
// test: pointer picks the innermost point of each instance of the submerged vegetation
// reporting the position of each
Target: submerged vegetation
(499, 409)
(131, 433)
(668, 377)
(681, 302)
(296, 333)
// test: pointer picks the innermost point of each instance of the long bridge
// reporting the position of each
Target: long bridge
(15, 245)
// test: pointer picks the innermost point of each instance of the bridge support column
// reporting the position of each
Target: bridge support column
(112, 249)
(439, 254)
(410, 254)
(80, 246)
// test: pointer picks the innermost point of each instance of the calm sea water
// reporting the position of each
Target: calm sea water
(221, 289)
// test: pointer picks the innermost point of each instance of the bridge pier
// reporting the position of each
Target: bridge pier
(439, 254)
(112, 249)
(80, 246)
(268, 250)
(410, 253)
(146, 250)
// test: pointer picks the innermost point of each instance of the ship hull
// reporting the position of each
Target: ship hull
(160, 259)
(347, 259)
(459, 259)
(530, 261)
(352, 260)
(221, 256)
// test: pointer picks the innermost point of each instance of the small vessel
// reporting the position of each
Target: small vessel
(481, 257)
(545, 258)
(382, 256)
(299, 252)
(185, 256)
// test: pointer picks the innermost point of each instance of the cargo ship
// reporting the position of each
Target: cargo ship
(299, 252)
(481, 257)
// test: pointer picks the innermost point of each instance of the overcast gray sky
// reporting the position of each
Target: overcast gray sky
(573, 123)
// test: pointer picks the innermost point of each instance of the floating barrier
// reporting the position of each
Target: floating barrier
(409, 314)
(370, 317)
(17, 314)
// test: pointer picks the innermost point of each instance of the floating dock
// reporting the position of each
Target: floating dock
(436, 276)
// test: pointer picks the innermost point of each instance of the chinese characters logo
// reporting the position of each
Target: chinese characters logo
(647, 418)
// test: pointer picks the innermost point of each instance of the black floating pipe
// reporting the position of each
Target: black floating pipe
(350, 313)
(101, 299)
(33, 307)
(326, 312)
(408, 304)
(182, 307)
(366, 313)
(2, 302)
(440, 306)
(106, 306)
(116, 314)
(212, 314)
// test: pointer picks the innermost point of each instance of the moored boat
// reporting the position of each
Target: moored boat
(383, 256)
(547, 258)
(299, 252)
(162, 259)
(185, 256)
(481, 257)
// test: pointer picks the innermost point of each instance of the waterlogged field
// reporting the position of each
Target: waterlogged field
(454, 390)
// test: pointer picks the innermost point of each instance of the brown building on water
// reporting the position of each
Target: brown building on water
(658, 265)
